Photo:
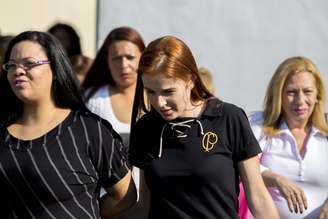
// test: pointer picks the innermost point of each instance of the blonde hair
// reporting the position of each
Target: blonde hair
(207, 79)
(272, 115)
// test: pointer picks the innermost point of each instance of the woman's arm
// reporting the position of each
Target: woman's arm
(258, 198)
(138, 210)
(143, 204)
(294, 195)
(119, 198)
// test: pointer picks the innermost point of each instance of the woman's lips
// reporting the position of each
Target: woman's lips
(166, 112)
(19, 82)
(300, 111)
(125, 75)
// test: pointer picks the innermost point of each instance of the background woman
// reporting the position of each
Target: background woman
(110, 84)
(292, 132)
(191, 146)
(54, 153)
(70, 40)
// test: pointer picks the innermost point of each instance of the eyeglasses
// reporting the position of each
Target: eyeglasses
(26, 64)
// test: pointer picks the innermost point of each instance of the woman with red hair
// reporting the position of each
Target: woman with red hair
(191, 146)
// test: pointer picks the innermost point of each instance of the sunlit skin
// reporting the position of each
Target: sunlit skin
(171, 96)
(30, 85)
(123, 60)
(299, 98)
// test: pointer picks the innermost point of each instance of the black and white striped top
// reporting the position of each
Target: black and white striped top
(59, 174)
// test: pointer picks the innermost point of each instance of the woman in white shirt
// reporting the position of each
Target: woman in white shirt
(111, 81)
(292, 132)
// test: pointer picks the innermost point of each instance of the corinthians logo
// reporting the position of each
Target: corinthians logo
(209, 140)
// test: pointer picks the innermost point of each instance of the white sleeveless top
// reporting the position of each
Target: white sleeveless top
(100, 104)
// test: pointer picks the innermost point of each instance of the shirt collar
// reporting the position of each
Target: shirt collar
(213, 107)
(284, 129)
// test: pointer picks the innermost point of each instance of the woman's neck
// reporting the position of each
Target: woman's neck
(37, 121)
(195, 109)
(38, 113)
(125, 91)
(298, 125)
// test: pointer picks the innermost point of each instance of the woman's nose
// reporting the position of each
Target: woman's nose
(161, 101)
(300, 97)
(19, 70)
(124, 62)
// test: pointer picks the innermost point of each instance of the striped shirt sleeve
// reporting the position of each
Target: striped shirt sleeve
(108, 153)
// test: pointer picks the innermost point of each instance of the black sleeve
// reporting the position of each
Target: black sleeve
(144, 140)
(108, 154)
(245, 143)
(137, 146)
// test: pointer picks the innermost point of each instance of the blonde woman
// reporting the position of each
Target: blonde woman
(292, 132)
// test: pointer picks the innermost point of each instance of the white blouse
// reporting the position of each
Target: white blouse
(100, 104)
(280, 155)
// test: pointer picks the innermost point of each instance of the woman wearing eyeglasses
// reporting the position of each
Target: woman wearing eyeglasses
(54, 153)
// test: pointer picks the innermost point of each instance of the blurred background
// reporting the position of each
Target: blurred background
(17, 16)
(240, 41)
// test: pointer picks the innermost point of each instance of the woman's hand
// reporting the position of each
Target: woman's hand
(293, 194)
(324, 211)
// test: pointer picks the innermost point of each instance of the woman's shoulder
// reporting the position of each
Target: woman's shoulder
(92, 121)
(256, 120)
(218, 108)
(232, 110)
(255, 117)
(100, 92)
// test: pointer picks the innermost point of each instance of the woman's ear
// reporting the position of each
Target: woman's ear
(191, 83)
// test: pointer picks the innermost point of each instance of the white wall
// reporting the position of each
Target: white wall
(240, 41)
(17, 16)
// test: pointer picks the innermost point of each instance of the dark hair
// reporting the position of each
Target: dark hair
(65, 90)
(99, 73)
(170, 56)
(74, 39)
(4, 42)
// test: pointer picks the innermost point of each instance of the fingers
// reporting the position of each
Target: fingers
(290, 203)
(294, 195)
(304, 200)
(300, 202)
(296, 202)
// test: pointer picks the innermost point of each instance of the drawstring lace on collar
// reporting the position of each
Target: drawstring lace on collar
(179, 134)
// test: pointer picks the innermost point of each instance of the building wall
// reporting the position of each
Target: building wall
(19, 15)
(241, 42)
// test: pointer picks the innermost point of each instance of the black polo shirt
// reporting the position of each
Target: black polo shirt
(195, 172)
